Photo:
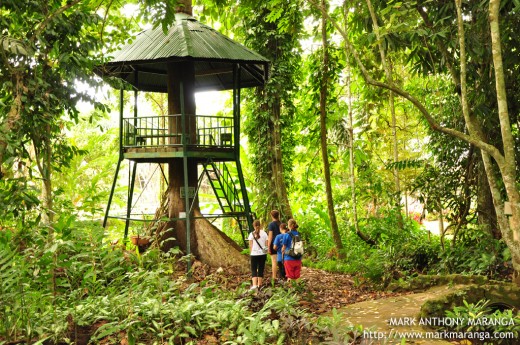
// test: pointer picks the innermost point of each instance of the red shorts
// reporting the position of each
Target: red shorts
(292, 268)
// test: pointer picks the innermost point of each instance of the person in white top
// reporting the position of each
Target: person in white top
(258, 249)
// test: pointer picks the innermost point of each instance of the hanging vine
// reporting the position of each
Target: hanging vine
(272, 30)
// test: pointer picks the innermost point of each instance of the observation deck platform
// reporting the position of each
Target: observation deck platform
(161, 138)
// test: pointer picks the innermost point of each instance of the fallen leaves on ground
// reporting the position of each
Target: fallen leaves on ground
(323, 291)
(320, 291)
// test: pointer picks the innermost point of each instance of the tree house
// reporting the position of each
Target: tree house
(190, 57)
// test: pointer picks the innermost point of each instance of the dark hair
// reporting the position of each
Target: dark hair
(256, 233)
(275, 214)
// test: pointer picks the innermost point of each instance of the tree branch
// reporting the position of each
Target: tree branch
(493, 151)
(440, 46)
(40, 27)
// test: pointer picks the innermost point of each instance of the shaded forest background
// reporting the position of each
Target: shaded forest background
(378, 116)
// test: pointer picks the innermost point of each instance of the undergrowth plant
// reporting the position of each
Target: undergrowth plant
(476, 252)
(397, 252)
(480, 317)
(79, 286)
(405, 253)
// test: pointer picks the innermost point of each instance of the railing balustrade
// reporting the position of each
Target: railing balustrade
(166, 131)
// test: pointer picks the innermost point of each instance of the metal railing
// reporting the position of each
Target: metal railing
(229, 195)
(167, 131)
(225, 186)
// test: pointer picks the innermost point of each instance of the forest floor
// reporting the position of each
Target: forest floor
(356, 303)
(320, 291)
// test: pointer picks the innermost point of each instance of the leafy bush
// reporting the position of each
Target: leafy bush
(480, 317)
(316, 232)
(404, 253)
(79, 286)
(18, 201)
(476, 252)
(399, 252)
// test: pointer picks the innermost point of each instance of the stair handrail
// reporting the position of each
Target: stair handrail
(235, 202)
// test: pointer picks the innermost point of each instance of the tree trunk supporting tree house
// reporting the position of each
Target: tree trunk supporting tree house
(190, 57)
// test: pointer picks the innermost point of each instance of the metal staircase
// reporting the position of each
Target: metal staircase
(229, 196)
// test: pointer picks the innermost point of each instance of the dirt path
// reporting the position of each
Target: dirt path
(324, 291)
(395, 316)
(321, 290)
(385, 317)
(358, 304)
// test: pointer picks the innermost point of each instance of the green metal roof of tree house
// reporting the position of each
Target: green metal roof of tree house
(187, 39)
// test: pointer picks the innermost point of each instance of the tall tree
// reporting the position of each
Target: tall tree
(509, 165)
(324, 83)
(474, 135)
(351, 141)
(273, 29)
(47, 46)
(387, 67)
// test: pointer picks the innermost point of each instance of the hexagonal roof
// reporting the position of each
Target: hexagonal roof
(143, 63)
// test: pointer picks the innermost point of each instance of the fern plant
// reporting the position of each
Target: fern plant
(469, 313)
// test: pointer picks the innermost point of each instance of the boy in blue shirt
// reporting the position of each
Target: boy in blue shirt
(277, 245)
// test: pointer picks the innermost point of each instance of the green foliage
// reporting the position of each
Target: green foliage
(270, 110)
(403, 254)
(459, 175)
(84, 185)
(399, 252)
(79, 283)
(338, 332)
(17, 200)
(469, 311)
(315, 230)
(47, 76)
(480, 317)
(476, 252)
(159, 12)
(405, 164)
(49, 48)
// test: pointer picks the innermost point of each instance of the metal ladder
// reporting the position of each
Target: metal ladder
(229, 197)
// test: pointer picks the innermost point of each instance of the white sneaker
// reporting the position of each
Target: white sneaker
(254, 287)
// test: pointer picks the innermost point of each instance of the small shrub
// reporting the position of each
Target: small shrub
(480, 317)
(80, 285)
(476, 252)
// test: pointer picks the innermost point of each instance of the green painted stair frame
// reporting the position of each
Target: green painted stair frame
(230, 197)
(233, 201)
